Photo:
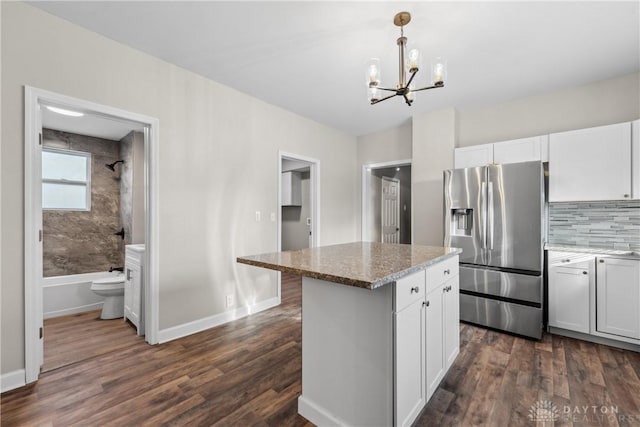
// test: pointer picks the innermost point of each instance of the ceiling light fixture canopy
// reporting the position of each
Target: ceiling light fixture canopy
(405, 88)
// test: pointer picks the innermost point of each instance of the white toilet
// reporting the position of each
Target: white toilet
(112, 289)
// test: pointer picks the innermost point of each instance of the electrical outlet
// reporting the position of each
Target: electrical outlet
(229, 302)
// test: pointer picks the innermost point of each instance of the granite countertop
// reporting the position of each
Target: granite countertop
(363, 264)
(595, 251)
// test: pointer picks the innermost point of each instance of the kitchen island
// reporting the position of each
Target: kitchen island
(380, 328)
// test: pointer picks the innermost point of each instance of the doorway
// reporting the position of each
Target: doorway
(298, 203)
(53, 141)
(386, 202)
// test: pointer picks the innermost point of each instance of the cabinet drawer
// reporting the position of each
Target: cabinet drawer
(409, 289)
(441, 272)
(570, 259)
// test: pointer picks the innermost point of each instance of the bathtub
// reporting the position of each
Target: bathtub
(62, 295)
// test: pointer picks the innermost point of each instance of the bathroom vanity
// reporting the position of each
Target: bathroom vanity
(380, 328)
(133, 286)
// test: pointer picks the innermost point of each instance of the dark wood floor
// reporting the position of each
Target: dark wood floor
(77, 337)
(248, 372)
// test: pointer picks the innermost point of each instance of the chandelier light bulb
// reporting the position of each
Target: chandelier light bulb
(373, 93)
(414, 60)
(438, 71)
(373, 72)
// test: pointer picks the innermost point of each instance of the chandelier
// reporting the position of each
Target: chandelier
(405, 88)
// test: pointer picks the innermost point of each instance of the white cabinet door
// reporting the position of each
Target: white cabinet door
(137, 303)
(477, 155)
(569, 298)
(618, 297)
(451, 324)
(434, 339)
(128, 293)
(520, 150)
(590, 164)
(635, 159)
(409, 363)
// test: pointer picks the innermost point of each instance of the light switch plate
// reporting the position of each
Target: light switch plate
(257, 216)
(273, 217)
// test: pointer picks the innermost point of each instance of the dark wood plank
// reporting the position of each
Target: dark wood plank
(248, 373)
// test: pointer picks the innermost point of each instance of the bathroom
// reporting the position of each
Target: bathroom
(92, 208)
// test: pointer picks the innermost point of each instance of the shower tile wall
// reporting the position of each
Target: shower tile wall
(132, 187)
(610, 225)
(78, 242)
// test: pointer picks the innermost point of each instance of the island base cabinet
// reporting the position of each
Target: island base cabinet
(451, 324)
(347, 354)
(409, 363)
(434, 338)
(442, 332)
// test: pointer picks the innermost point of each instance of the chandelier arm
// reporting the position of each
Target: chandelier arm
(382, 99)
(388, 89)
(411, 78)
(407, 100)
(428, 87)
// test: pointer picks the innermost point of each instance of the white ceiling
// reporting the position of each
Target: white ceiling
(89, 124)
(309, 57)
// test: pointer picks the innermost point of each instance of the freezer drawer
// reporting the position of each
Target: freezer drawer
(510, 317)
(506, 285)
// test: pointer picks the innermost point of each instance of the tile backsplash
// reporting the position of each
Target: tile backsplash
(608, 224)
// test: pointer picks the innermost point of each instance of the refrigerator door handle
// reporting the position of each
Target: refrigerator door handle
(483, 219)
(490, 217)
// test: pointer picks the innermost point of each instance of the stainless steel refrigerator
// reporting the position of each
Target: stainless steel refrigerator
(496, 215)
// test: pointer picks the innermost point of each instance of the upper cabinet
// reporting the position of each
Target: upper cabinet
(591, 164)
(477, 155)
(291, 189)
(521, 150)
(514, 151)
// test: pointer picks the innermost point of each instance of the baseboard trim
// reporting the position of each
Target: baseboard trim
(316, 414)
(12, 380)
(196, 326)
(73, 310)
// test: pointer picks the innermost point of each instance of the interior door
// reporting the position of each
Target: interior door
(390, 210)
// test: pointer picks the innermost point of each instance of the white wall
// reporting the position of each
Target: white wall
(599, 103)
(218, 166)
(380, 147)
(434, 136)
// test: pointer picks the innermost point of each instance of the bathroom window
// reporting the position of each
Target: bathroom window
(66, 180)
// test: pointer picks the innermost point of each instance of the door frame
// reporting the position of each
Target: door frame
(314, 196)
(33, 269)
(366, 173)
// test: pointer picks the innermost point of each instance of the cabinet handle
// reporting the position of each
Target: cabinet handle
(584, 272)
(602, 261)
(566, 260)
(415, 290)
(626, 195)
(426, 304)
(128, 274)
(447, 271)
